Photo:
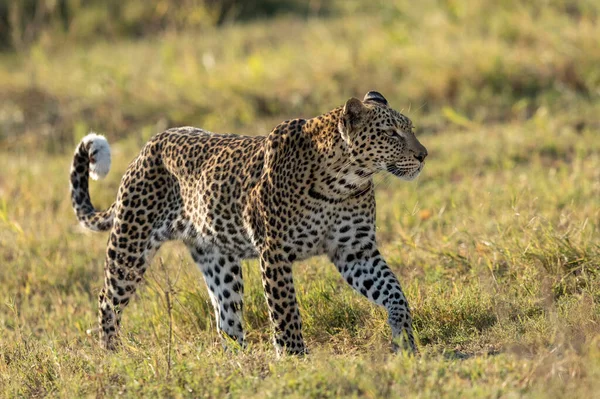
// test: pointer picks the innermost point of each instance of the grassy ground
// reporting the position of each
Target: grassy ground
(497, 244)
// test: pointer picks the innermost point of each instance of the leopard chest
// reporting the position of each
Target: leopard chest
(308, 230)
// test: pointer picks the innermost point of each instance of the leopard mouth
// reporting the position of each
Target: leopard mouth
(405, 173)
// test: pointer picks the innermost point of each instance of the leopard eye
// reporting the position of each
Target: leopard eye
(391, 132)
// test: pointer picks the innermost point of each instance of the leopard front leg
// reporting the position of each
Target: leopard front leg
(367, 272)
(279, 289)
(352, 247)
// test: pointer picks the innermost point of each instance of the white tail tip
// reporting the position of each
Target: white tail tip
(99, 152)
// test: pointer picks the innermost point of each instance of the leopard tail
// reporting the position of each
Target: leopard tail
(91, 159)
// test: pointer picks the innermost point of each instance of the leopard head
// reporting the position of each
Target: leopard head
(380, 138)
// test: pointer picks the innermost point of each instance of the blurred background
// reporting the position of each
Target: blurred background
(496, 244)
(135, 67)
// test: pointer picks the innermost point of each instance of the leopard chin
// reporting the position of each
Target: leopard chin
(407, 174)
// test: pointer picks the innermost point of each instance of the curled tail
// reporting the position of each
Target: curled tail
(92, 158)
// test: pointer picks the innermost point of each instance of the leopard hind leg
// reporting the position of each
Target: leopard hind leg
(223, 275)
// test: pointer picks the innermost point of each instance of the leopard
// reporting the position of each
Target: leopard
(305, 189)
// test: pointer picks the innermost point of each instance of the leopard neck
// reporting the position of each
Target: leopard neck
(339, 175)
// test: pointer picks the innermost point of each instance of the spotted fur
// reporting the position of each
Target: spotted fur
(305, 189)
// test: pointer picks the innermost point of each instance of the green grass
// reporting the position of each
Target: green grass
(497, 244)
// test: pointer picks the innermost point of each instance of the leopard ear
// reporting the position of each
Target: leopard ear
(376, 97)
(353, 114)
(354, 111)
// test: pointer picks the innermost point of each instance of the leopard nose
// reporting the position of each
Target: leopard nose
(421, 155)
